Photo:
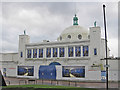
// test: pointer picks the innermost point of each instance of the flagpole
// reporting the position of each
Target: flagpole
(106, 48)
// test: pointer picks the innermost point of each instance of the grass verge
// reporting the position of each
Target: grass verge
(35, 87)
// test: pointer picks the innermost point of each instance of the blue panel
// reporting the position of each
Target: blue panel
(103, 75)
(47, 72)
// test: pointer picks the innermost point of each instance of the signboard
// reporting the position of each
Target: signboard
(103, 75)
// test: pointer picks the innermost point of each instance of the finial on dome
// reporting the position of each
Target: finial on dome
(95, 24)
(24, 32)
(75, 20)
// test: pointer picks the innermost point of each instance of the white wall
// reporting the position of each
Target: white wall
(9, 57)
(95, 42)
(58, 72)
(113, 69)
(11, 69)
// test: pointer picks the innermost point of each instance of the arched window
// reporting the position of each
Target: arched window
(54, 63)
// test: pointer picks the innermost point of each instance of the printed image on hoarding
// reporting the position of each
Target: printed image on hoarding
(26, 70)
(73, 71)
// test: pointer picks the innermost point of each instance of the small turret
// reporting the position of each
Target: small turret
(23, 40)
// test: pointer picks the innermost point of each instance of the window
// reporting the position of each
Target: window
(61, 52)
(70, 51)
(29, 53)
(48, 53)
(54, 52)
(21, 54)
(40, 53)
(85, 50)
(79, 36)
(69, 36)
(34, 53)
(95, 51)
(77, 51)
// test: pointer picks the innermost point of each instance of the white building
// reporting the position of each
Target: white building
(78, 54)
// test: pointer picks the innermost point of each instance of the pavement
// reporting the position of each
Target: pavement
(24, 81)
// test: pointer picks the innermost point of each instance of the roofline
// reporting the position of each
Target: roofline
(9, 53)
(56, 42)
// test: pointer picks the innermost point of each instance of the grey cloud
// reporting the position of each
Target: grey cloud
(42, 19)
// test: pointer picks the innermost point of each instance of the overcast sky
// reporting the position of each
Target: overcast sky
(47, 21)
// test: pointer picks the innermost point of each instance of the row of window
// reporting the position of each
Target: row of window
(79, 37)
(55, 52)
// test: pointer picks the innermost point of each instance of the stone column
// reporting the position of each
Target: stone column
(26, 53)
(74, 51)
(44, 52)
(81, 51)
(31, 53)
(89, 51)
(37, 53)
(66, 51)
(58, 52)
(51, 52)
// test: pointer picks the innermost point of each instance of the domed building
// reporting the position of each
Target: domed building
(78, 54)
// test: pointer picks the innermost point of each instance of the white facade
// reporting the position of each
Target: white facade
(75, 38)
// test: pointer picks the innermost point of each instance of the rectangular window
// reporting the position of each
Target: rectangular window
(95, 51)
(40, 53)
(21, 54)
(34, 53)
(29, 53)
(54, 52)
(85, 50)
(78, 51)
(70, 51)
(61, 52)
(48, 53)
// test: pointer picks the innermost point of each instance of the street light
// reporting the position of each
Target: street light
(106, 48)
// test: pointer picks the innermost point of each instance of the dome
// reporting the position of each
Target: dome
(74, 32)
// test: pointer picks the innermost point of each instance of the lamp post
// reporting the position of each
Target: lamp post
(106, 48)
